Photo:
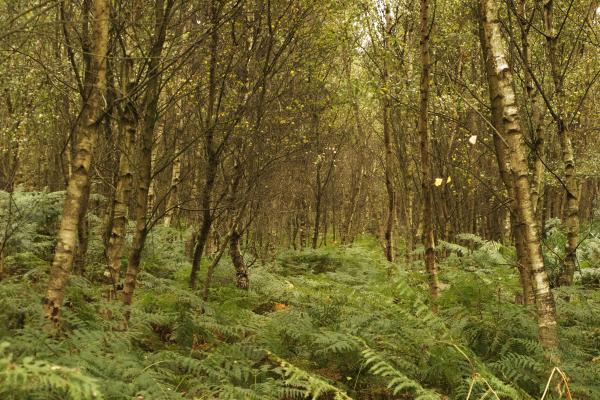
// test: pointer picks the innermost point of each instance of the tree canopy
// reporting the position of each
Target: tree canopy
(299, 199)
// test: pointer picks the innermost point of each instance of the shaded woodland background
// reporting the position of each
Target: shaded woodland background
(280, 199)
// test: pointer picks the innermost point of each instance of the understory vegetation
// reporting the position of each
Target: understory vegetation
(339, 322)
(299, 200)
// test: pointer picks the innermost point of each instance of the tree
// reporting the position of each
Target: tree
(87, 130)
(544, 299)
(152, 92)
(128, 126)
(387, 137)
(427, 176)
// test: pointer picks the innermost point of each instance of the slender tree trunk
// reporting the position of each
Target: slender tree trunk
(173, 197)
(406, 192)
(568, 157)
(295, 229)
(537, 133)
(354, 197)
(523, 262)
(389, 186)
(318, 198)
(236, 212)
(88, 130)
(387, 142)
(82, 223)
(109, 212)
(83, 231)
(334, 217)
(410, 242)
(321, 186)
(236, 209)
(123, 191)
(8, 231)
(303, 218)
(212, 156)
(153, 90)
(9, 157)
(157, 136)
(141, 208)
(501, 149)
(427, 179)
(572, 208)
(357, 181)
(207, 220)
(315, 237)
(241, 269)
(325, 228)
(544, 299)
(539, 148)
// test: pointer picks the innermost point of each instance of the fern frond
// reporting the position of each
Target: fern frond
(29, 375)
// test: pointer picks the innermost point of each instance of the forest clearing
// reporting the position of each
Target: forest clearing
(299, 199)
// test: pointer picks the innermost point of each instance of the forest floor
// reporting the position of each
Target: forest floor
(339, 322)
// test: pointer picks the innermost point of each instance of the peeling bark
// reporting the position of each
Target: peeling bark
(88, 129)
(544, 299)
(501, 150)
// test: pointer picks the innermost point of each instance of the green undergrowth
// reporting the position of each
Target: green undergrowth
(334, 323)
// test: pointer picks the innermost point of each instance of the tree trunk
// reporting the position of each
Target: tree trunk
(318, 198)
(241, 269)
(153, 90)
(387, 142)
(544, 299)
(199, 247)
(523, 262)
(207, 219)
(501, 149)
(88, 130)
(572, 209)
(173, 197)
(427, 179)
(408, 230)
(211, 154)
(303, 218)
(83, 231)
(295, 228)
(157, 136)
(123, 191)
(537, 133)
(325, 227)
(354, 197)
(109, 212)
(568, 158)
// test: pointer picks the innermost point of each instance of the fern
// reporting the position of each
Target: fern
(311, 385)
(338, 321)
(20, 378)
(398, 382)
